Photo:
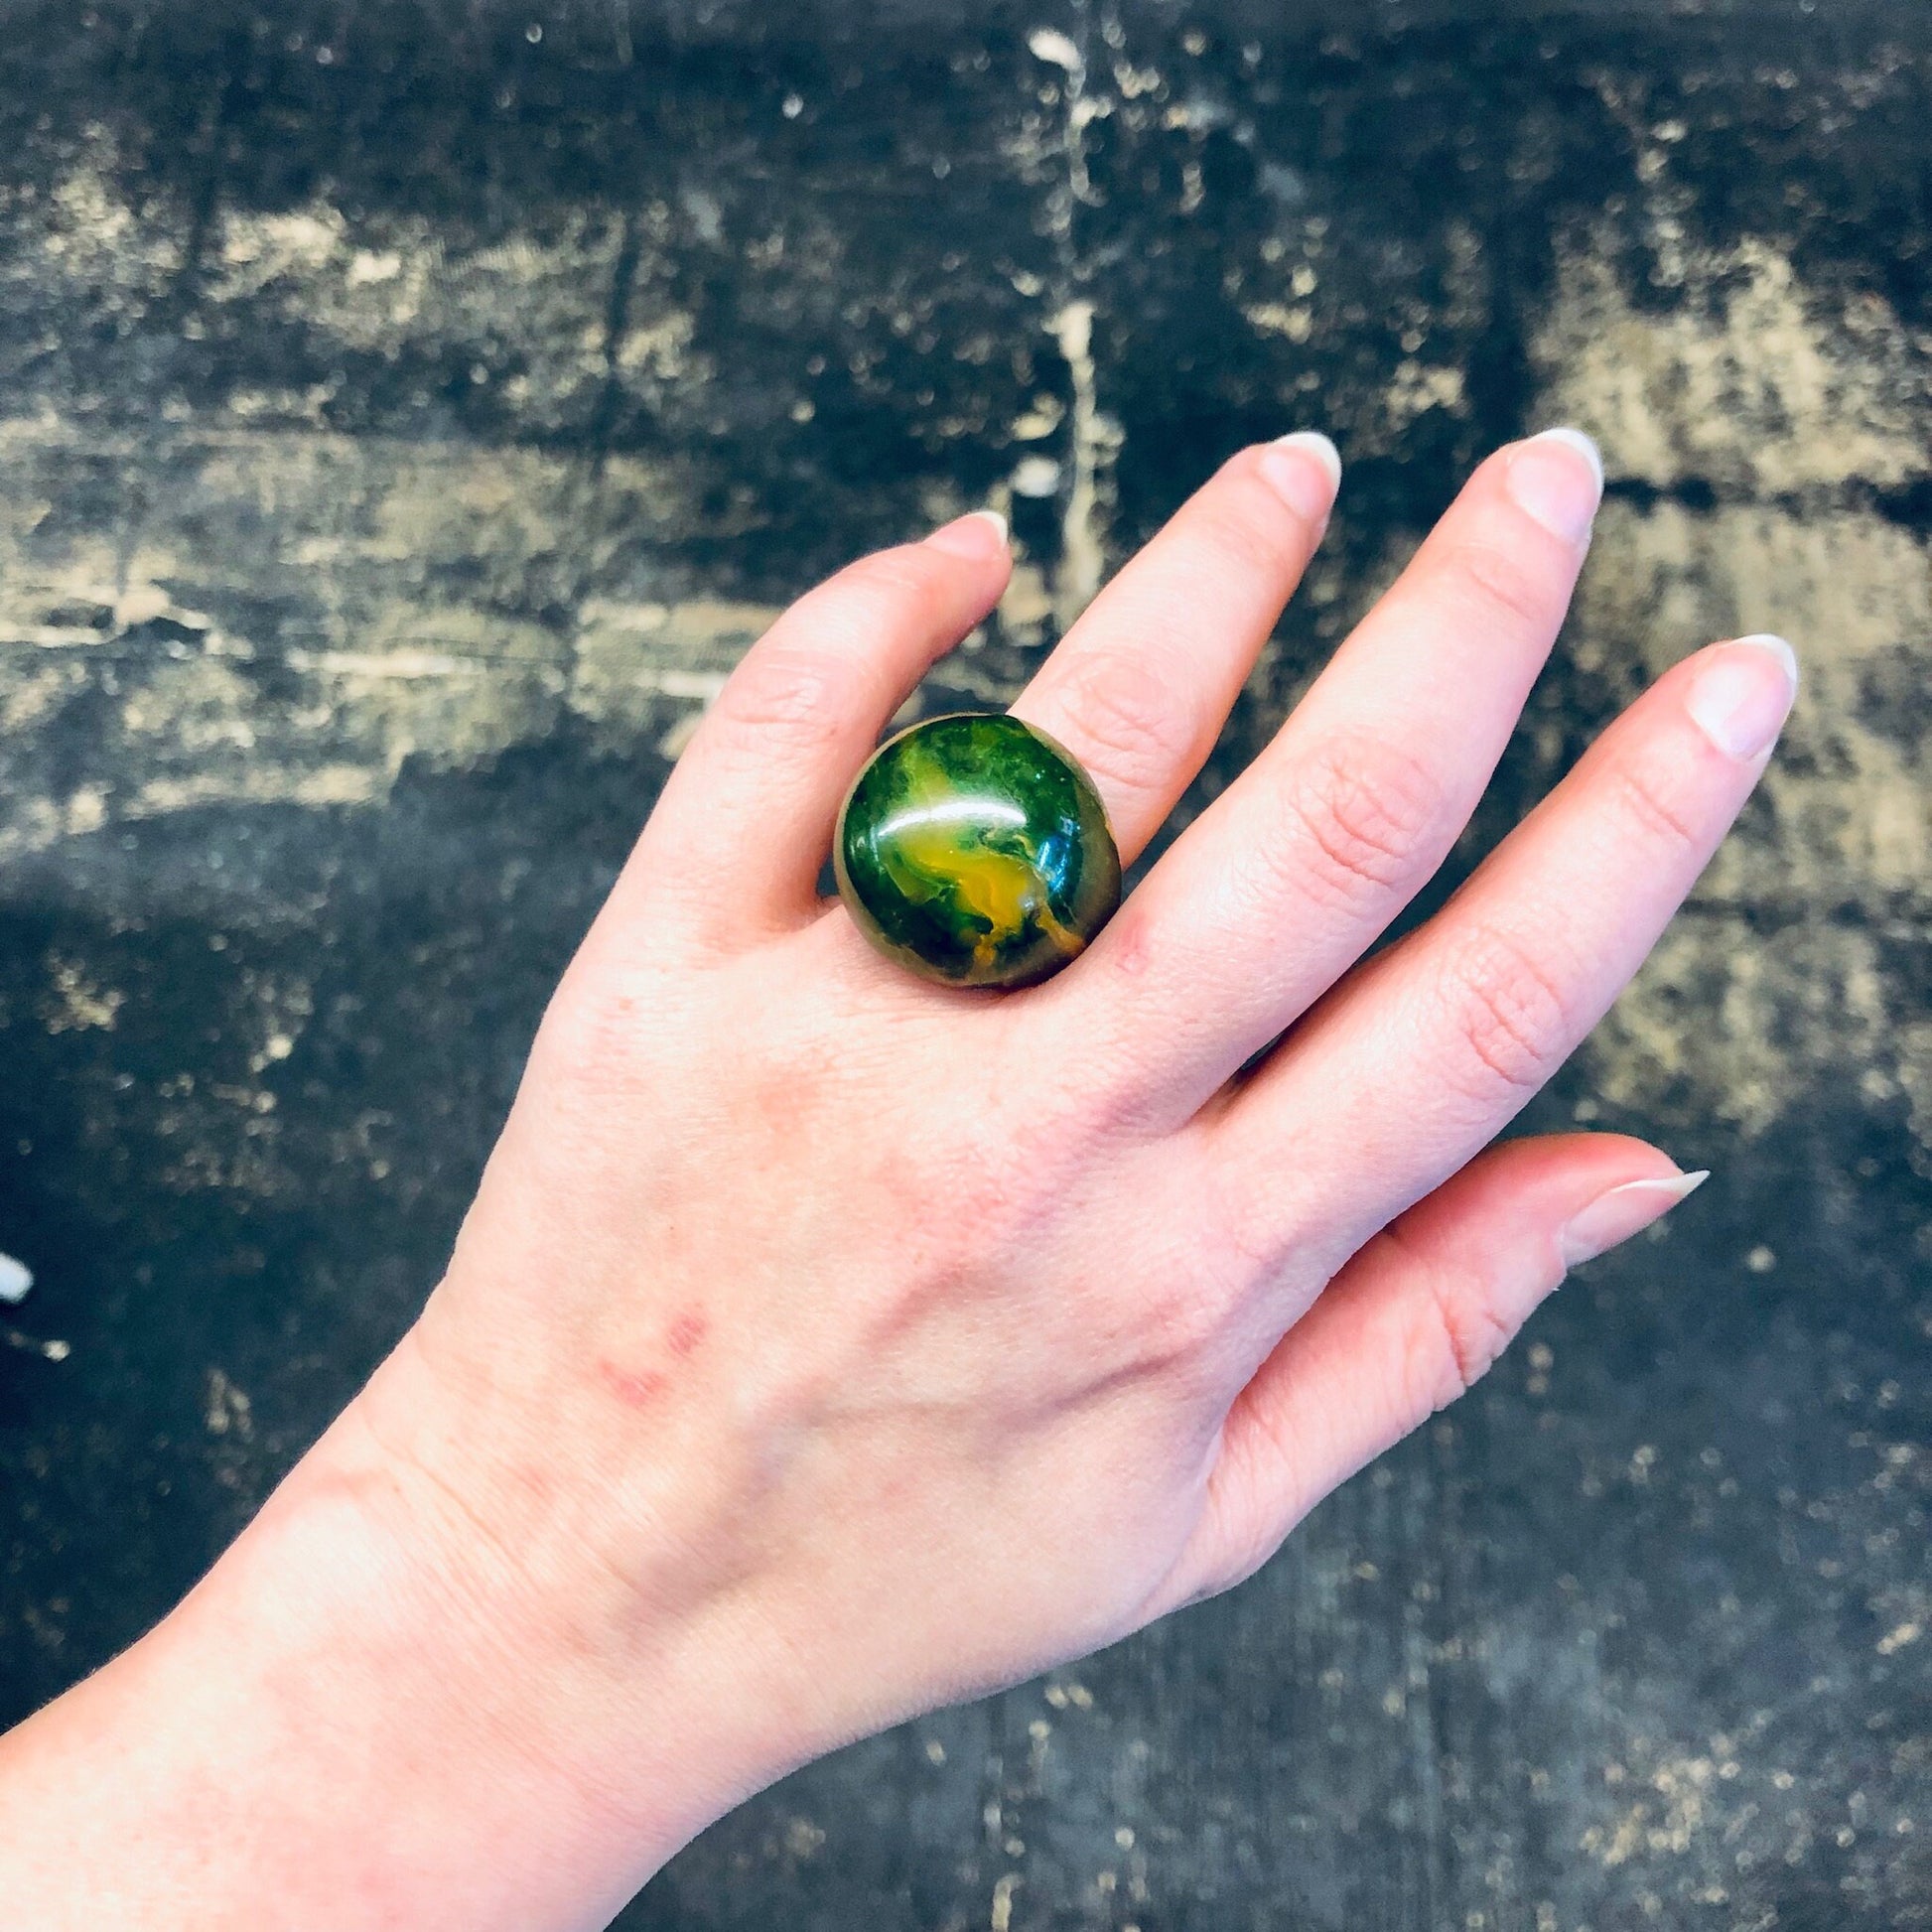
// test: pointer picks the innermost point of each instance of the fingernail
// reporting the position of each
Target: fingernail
(1623, 1212)
(982, 534)
(1549, 484)
(1307, 488)
(1743, 693)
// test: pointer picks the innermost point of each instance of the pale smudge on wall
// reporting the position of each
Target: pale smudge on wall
(1790, 407)
(375, 660)
(443, 602)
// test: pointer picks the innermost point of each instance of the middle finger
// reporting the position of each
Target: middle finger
(1142, 685)
(1275, 892)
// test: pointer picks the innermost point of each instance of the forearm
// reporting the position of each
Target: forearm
(357, 1721)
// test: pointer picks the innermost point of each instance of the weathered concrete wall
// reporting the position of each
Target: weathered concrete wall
(406, 415)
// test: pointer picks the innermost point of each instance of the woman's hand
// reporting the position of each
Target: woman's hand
(824, 1345)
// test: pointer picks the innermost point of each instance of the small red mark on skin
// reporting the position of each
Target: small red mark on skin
(632, 1389)
(1128, 936)
(687, 1332)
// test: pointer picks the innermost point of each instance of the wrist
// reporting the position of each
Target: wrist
(576, 1723)
(370, 1711)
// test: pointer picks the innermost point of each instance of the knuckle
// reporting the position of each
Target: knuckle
(1132, 732)
(1248, 525)
(1511, 1013)
(1361, 813)
(796, 688)
(784, 697)
(1506, 583)
(1645, 796)
(1456, 1341)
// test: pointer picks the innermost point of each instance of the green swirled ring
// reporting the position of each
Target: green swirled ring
(974, 850)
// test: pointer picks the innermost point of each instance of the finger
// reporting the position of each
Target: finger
(1425, 1054)
(1278, 890)
(1411, 1322)
(1142, 683)
(746, 819)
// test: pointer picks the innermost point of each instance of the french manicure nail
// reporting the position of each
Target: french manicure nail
(1321, 446)
(1308, 496)
(968, 536)
(1623, 1212)
(1547, 481)
(1743, 693)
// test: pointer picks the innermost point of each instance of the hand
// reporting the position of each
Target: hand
(918, 1340)
(824, 1345)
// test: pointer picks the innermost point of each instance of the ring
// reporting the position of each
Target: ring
(974, 850)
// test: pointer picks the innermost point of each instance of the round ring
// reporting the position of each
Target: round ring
(974, 850)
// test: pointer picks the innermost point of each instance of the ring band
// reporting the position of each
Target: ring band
(974, 850)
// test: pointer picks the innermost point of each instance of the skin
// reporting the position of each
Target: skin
(824, 1345)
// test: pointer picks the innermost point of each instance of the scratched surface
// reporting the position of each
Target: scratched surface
(407, 413)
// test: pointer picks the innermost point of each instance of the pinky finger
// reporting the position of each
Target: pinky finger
(1413, 1322)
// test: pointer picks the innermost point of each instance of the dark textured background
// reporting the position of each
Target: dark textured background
(407, 412)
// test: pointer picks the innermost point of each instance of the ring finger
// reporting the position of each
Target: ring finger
(1422, 1056)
